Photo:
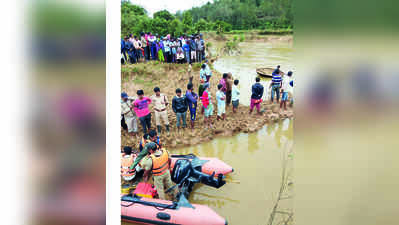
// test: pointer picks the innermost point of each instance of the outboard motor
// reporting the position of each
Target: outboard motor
(185, 176)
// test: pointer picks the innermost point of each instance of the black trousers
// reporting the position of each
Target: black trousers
(146, 122)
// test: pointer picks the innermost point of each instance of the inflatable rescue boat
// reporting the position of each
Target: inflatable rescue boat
(141, 206)
(205, 164)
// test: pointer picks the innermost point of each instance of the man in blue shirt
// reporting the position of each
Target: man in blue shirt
(130, 51)
(192, 99)
(186, 48)
(276, 85)
(123, 51)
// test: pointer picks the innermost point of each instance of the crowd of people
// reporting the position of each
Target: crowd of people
(150, 152)
(183, 49)
(137, 109)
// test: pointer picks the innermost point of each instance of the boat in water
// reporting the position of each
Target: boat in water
(148, 210)
(265, 71)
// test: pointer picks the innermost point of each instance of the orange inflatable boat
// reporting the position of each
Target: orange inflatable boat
(205, 164)
(147, 210)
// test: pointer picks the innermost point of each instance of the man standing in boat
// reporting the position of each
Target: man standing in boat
(158, 162)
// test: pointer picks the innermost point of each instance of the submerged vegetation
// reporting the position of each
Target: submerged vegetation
(231, 46)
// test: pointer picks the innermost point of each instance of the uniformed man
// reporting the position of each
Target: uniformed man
(158, 163)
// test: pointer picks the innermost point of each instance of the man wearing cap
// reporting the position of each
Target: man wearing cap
(129, 114)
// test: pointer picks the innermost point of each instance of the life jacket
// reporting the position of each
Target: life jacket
(160, 164)
(126, 162)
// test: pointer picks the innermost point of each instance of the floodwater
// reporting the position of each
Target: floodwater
(251, 190)
(254, 55)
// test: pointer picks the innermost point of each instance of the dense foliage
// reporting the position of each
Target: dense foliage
(247, 14)
(220, 16)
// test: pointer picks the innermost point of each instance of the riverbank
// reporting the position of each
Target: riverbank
(251, 35)
(171, 76)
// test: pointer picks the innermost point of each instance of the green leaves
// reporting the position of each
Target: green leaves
(221, 16)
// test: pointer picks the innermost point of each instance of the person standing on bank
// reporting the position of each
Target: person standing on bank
(235, 96)
(228, 89)
(192, 99)
(160, 103)
(142, 110)
(144, 45)
(276, 85)
(129, 114)
(256, 97)
(179, 106)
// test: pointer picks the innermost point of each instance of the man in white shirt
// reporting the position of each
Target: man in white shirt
(235, 96)
(285, 88)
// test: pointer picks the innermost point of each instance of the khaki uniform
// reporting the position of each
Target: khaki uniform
(160, 109)
(130, 115)
(162, 182)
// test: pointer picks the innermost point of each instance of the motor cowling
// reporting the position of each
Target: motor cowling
(182, 170)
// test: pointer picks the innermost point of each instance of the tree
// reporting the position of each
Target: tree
(201, 25)
(175, 28)
(159, 26)
(164, 14)
(187, 18)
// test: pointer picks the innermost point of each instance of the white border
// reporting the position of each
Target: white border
(113, 141)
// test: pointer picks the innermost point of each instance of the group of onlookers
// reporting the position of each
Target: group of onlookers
(279, 85)
(183, 49)
(227, 93)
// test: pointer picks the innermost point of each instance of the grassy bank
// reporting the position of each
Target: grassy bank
(171, 76)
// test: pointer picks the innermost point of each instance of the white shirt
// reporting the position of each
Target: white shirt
(235, 93)
(286, 84)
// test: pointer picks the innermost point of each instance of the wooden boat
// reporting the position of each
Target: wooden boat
(265, 71)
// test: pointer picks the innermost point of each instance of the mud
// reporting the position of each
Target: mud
(171, 76)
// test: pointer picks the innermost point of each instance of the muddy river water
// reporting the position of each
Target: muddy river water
(252, 189)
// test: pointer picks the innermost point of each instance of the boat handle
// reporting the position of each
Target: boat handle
(127, 205)
(163, 216)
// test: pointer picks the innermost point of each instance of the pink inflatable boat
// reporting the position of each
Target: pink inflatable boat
(205, 164)
(157, 211)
